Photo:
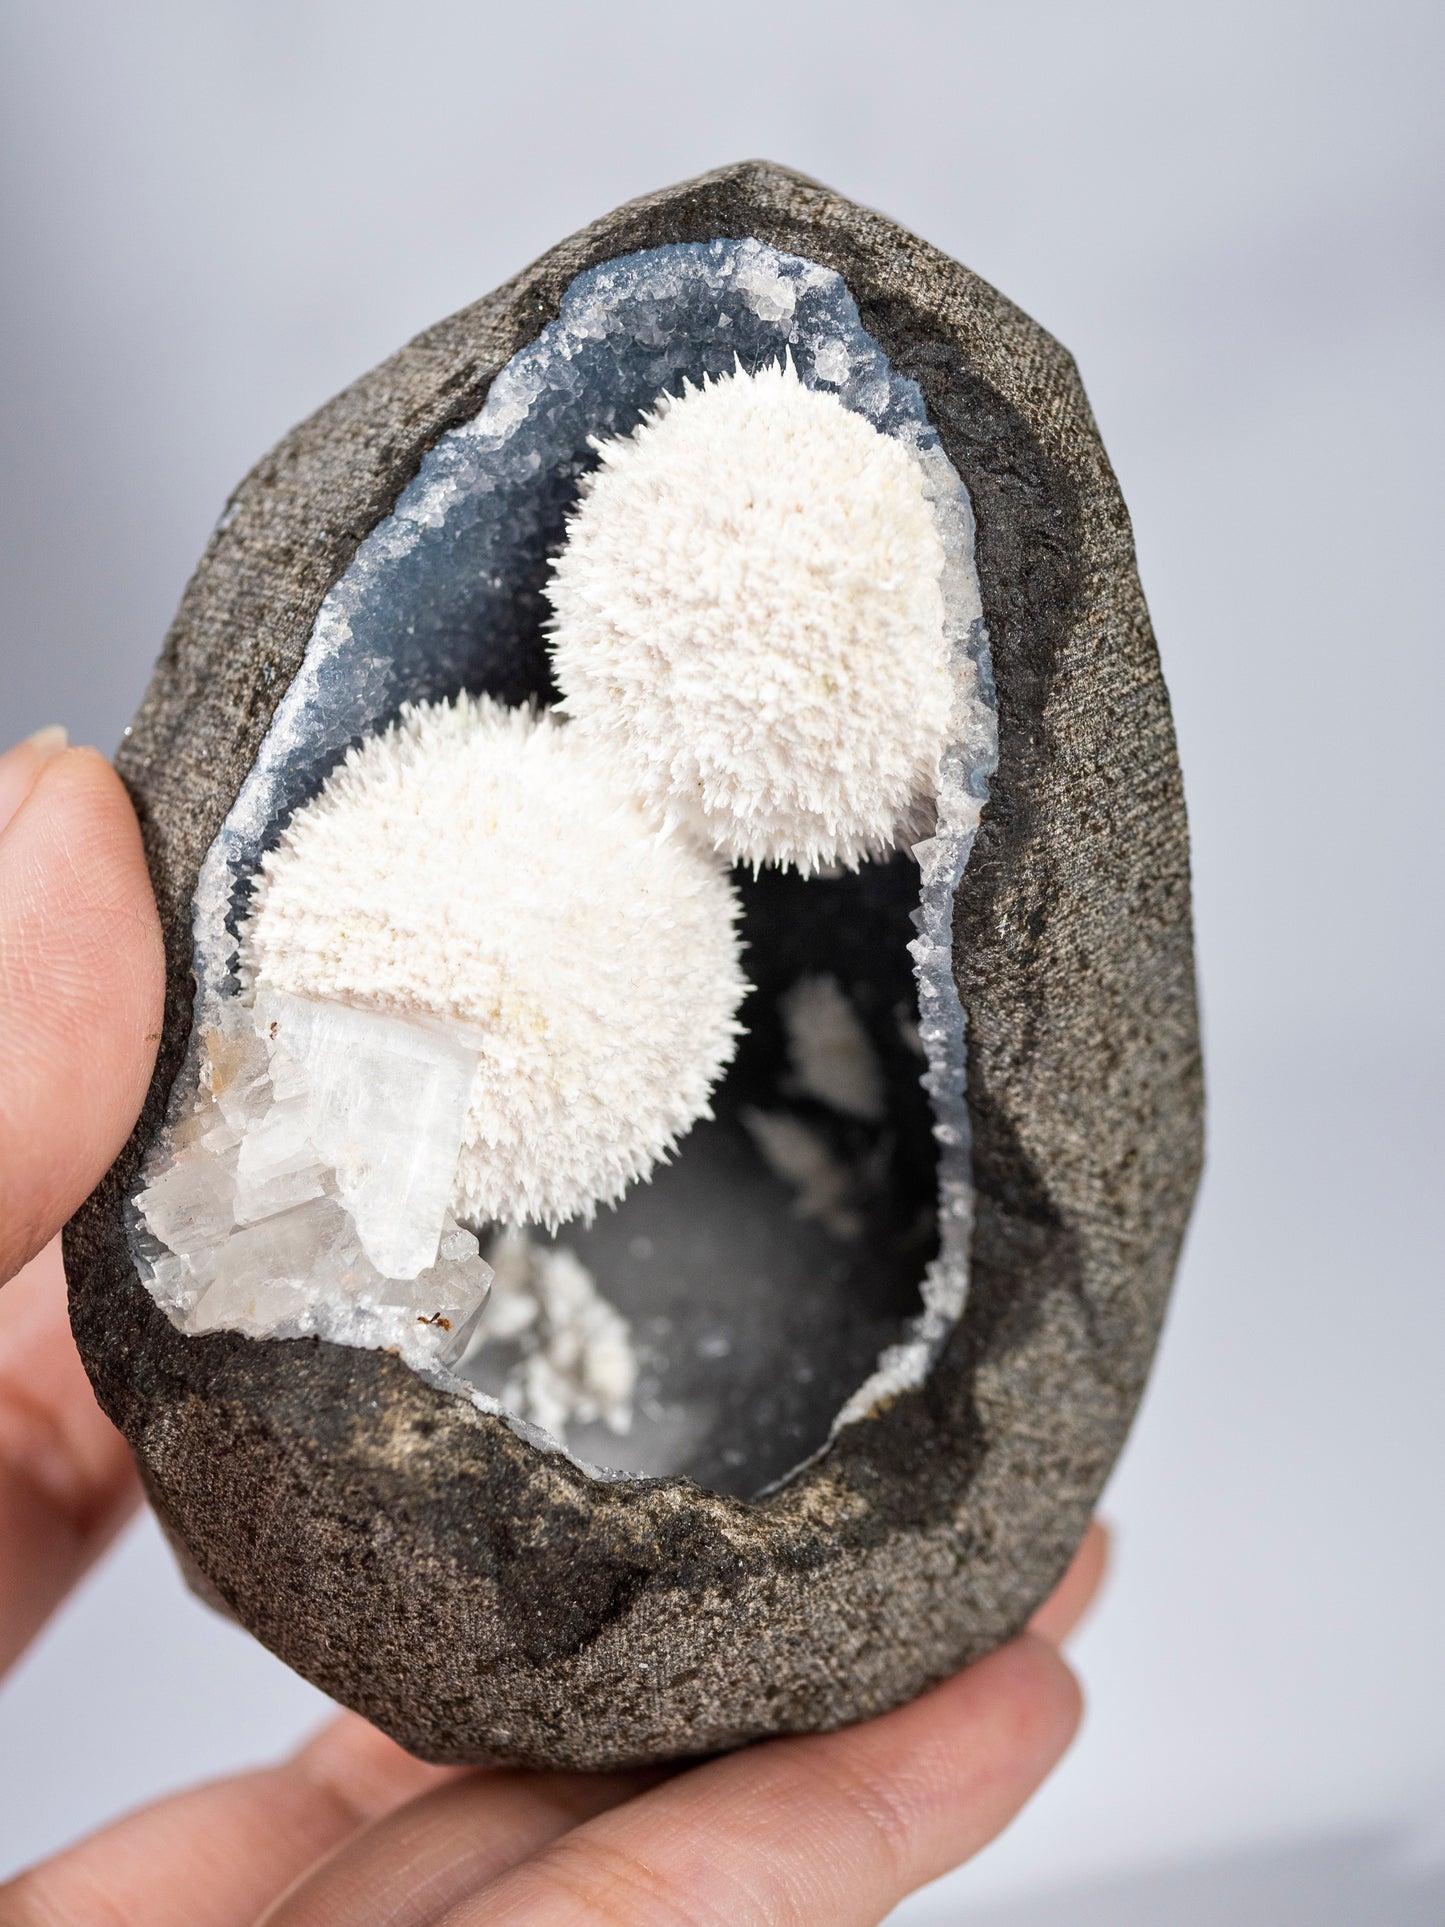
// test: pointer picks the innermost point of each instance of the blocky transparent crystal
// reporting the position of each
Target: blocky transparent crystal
(308, 1182)
(384, 1107)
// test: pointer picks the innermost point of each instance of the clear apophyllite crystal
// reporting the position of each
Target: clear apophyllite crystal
(383, 1103)
(307, 1189)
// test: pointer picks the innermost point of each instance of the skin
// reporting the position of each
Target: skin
(824, 1831)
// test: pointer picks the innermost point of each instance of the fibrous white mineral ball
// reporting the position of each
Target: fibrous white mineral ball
(748, 617)
(481, 866)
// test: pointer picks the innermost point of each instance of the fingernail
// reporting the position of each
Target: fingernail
(20, 766)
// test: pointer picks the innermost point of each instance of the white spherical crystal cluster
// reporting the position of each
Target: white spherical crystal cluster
(480, 867)
(749, 620)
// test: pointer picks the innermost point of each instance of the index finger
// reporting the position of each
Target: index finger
(81, 989)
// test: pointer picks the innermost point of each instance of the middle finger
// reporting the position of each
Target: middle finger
(412, 1866)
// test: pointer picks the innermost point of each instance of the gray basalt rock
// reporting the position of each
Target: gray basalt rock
(413, 1555)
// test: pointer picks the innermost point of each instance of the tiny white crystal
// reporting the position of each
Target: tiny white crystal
(578, 1364)
(824, 1188)
(830, 1056)
(448, 1296)
(749, 619)
(479, 867)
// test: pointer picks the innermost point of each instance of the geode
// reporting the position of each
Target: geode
(873, 1446)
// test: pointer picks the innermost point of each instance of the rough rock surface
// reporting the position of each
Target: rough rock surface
(480, 1599)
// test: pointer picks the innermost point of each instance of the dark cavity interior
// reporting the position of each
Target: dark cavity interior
(754, 1324)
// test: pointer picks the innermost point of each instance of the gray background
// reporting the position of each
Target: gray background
(216, 215)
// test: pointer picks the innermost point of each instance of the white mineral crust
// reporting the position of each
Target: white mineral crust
(577, 1363)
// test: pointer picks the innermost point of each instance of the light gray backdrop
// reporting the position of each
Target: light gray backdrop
(216, 215)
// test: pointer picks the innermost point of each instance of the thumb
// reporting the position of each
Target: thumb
(81, 984)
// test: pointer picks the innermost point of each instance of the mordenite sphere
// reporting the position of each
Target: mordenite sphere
(480, 866)
(749, 619)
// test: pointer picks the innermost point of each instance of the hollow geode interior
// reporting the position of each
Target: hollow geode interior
(755, 1326)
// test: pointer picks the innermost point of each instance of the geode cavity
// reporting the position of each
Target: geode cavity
(425, 1561)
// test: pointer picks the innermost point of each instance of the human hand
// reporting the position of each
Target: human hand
(819, 1831)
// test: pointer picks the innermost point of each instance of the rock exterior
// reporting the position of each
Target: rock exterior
(481, 1599)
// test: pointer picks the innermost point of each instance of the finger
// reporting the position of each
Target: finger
(1075, 1592)
(826, 1830)
(437, 1850)
(81, 984)
(66, 1479)
(20, 766)
(216, 1856)
(834, 1828)
(415, 1865)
